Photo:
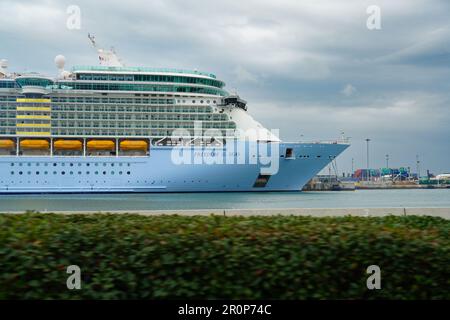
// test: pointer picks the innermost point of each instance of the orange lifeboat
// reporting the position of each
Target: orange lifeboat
(7, 144)
(134, 145)
(68, 145)
(34, 144)
(101, 145)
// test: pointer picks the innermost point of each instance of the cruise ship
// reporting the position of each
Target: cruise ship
(112, 128)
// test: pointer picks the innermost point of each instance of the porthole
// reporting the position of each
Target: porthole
(71, 172)
(63, 172)
(37, 172)
(20, 172)
(12, 164)
(128, 172)
(29, 164)
(54, 172)
(79, 172)
(87, 172)
(12, 172)
(71, 164)
(112, 172)
(104, 172)
(120, 172)
(45, 172)
(54, 164)
(29, 172)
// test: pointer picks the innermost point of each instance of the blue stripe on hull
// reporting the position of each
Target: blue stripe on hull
(157, 173)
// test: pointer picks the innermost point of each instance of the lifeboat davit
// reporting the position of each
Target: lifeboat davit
(7, 144)
(134, 145)
(68, 145)
(34, 144)
(101, 145)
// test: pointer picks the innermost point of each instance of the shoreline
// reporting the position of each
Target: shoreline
(316, 212)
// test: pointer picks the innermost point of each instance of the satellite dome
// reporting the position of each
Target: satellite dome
(60, 60)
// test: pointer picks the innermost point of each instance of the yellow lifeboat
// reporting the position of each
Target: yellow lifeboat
(101, 145)
(7, 144)
(34, 144)
(68, 145)
(134, 145)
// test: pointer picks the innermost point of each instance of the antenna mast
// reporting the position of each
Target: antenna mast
(107, 58)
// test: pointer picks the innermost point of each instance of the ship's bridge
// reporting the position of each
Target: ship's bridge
(34, 85)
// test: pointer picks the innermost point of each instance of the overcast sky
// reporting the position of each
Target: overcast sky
(310, 68)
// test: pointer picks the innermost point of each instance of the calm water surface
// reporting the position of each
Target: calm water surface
(338, 199)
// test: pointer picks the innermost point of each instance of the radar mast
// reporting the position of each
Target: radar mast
(107, 58)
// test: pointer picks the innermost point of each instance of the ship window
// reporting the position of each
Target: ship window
(120, 172)
(45, 172)
(63, 172)
(289, 152)
(54, 172)
(71, 172)
(37, 172)
(104, 172)
(96, 172)
(54, 164)
(128, 172)
(12, 164)
(12, 172)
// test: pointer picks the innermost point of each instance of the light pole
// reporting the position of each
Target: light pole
(368, 170)
(418, 166)
(353, 163)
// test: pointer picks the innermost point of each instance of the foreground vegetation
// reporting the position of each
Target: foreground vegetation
(158, 257)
